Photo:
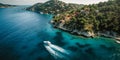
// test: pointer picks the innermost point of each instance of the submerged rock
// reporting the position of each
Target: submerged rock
(82, 46)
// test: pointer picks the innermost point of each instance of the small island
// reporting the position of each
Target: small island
(93, 20)
(5, 5)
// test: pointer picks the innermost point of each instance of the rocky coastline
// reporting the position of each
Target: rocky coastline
(86, 34)
(83, 20)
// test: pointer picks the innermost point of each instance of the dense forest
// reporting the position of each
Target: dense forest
(96, 18)
(88, 20)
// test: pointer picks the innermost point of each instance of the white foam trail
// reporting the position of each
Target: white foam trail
(59, 49)
(53, 53)
(118, 42)
(57, 52)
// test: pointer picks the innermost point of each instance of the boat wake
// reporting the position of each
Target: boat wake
(57, 52)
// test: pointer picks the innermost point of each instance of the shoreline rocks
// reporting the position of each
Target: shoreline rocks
(86, 34)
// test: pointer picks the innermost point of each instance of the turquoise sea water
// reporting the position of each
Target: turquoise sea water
(22, 34)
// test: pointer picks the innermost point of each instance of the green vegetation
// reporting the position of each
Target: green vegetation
(88, 20)
(103, 17)
(53, 7)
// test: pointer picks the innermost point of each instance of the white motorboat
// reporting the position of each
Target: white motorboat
(56, 51)
(47, 43)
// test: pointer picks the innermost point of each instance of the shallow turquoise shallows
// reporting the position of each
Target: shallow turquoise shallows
(22, 34)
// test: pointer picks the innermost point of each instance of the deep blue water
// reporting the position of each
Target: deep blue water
(22, 34)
